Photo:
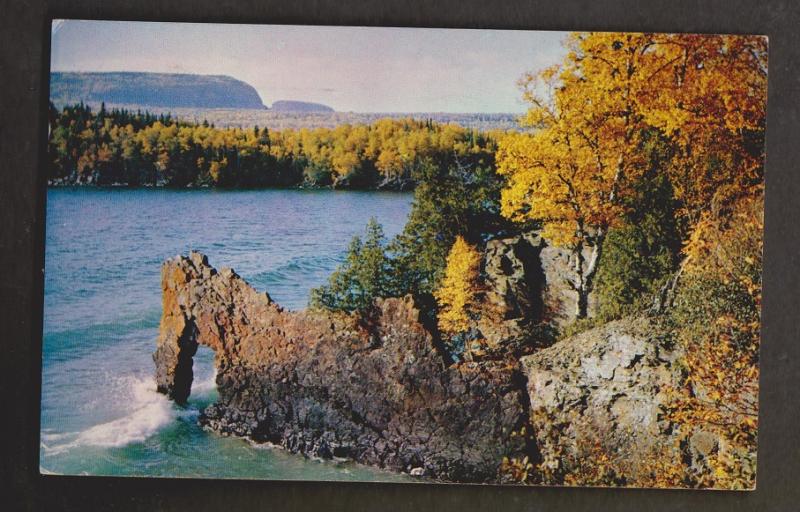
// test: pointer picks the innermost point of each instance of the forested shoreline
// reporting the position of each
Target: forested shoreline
(121, 147)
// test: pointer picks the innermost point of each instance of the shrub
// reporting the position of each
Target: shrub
(716, 321)
(641, 253)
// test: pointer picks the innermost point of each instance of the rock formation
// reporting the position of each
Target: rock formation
(527, 286)
(609, 385)
(371, 389)
(378, 389)
(515, 285)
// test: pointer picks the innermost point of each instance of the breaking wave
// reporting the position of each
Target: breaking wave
(149, 412)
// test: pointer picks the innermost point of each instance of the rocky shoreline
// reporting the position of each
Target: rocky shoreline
(378, 389)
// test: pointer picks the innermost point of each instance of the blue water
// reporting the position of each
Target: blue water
(104, 247)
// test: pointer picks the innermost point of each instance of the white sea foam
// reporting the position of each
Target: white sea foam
(43, 470)
(149, 412)
(54, 436)
(55, 449)
(205, 386)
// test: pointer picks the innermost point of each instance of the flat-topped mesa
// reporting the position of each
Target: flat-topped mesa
(374, 389)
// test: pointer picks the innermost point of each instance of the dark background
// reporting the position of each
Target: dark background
(24, 61)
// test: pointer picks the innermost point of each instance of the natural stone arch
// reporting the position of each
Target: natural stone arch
(325, 384)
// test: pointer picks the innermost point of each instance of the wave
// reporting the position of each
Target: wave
(150, 411)
(299, 266)
(205, 386)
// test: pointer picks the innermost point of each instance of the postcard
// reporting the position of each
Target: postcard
(403, 255)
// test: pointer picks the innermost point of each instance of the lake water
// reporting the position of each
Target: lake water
(104, 247)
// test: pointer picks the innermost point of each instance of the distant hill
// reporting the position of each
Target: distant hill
(165, 90)
(227, 102)
(299, 106)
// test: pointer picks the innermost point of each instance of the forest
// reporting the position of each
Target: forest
(138, 148)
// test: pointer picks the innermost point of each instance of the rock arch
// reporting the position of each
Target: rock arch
(324, 384)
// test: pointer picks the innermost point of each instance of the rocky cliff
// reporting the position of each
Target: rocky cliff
(372, 389)
(527, 293)
(606, 385)
(605, 393)
(377, 389)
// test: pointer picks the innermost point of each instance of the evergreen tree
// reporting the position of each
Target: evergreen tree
(643, 251)
(363, 277)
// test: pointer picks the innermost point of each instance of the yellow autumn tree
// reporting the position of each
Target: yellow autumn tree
(590, 114)
(709, 97)
(458, 292)
(569, 172)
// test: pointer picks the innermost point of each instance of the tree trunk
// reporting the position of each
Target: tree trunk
(666, 295)
(585, 277)
(582, 309)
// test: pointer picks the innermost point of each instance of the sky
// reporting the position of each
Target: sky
(358, 69)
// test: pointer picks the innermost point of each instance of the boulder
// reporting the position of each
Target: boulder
(608, 385)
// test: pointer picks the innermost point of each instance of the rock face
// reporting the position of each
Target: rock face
(527, 285)
(513, 304)
(606, 385)
(560, 300)
(515, 279)
(371, 389)
(376, 388)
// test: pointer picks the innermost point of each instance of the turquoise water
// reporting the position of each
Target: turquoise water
(104, 247)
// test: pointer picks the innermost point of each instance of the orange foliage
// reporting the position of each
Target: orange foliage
(457, 294)
(589, 116)
(719, 328)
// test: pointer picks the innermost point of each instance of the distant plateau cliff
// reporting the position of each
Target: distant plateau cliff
(164, 90)
(299, 106)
